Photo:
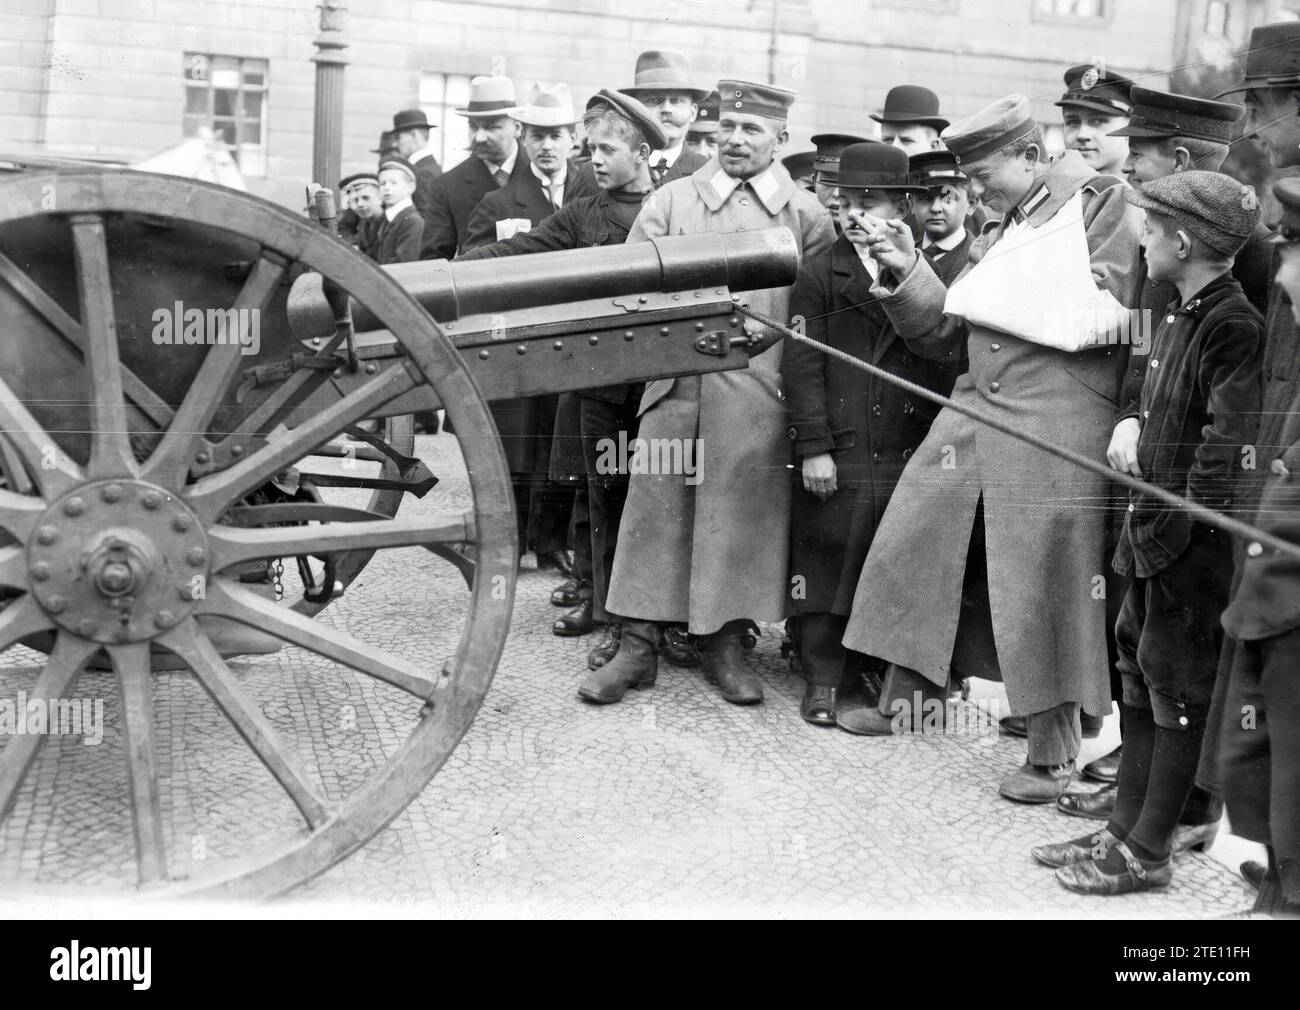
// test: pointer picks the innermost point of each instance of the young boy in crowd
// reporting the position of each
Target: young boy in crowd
(402, 229)
(941, 210)
(1199, 409)
(853, 433)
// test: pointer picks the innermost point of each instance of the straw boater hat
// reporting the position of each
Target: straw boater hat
(489, 98)
(546, 106)
(663, 70)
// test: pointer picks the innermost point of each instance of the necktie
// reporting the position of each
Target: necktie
(501, 177)
(658, 170)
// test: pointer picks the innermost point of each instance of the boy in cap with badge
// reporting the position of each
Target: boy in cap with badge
(662, 83)
(910, 119)
(712, 552)
(1259, 756)
(852, 432)
(976, 570)
(941, 210)
(359, 224)
(1096, 103)
(1199, 409)
(702, 135)
(402, 228)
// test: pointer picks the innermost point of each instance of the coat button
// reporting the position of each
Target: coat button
(1146, 413)
(1155, 363)
(994, 387)
(1132, 508)
(1169, 319)
(1255, 549)
(908, 407)
(995, 347)
(1137, 373)
(1280, 468)
(792, 433)
(875, 410)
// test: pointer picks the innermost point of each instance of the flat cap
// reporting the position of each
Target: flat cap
(398, 162)
(359, 179)
(991, 129)
(1273, 58)
(1215, 208)
(706, 116)
(752, 99)
(1165, 114)
(632, 110)
(1287, 192)
(1095, 88)
(937, 168)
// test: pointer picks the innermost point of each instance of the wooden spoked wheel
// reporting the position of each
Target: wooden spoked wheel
(114, 547)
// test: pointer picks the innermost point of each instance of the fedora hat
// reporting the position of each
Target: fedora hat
(489, 97)
(664, 70)
(874, 165)
(911, 103)
(546, 106)
(410, 119)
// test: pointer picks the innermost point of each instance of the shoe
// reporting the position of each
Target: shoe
(1037, 783)
(635, 665)
(1194, 837)
(867, 720)
(790, 650)
(675, 645)
(576, 622)
(1090, 878)
(1076, 851)
(559, 560)
(1096, 806)
(569, 592)
(606, 649)
(858, 696)
(1254, 872)
(1014, 725)
(1090, 725)
(818, 705)
(723, 659)
(1104, 769)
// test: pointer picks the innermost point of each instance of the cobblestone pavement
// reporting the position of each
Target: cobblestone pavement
(670, 803)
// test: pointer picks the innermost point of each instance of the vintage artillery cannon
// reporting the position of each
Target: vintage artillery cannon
(148, 472)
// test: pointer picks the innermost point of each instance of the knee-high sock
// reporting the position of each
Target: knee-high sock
(1134, 769)
(1173, 772)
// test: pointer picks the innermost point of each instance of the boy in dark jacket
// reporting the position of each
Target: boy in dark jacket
(401, 229)
(1199, 410)
(852, 433)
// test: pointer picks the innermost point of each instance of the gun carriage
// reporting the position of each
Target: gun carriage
(151, 486)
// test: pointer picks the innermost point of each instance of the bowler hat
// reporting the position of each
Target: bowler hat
(546, 106)
(387, 142)
(799, 164)
(489, 97)
(410, 119)
(634, 112)
(1273, 59)
(911, 103)
(663, 70)
(874, 165)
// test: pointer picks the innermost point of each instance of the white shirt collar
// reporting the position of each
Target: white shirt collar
(397, 208)
(551, 183)
(873, 268)
(670, 154)
(948, 243)
(426, 151)
(509, 166)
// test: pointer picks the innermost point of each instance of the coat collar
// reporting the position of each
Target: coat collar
(1065, 176)
(773, 186)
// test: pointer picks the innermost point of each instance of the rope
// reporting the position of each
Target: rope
(1196, 510)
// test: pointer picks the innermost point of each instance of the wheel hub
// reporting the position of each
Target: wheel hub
(118, 561)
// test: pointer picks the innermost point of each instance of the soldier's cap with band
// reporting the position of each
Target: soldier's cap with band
(1273, 59)
(358, 180)
(800, 163)
(1287, 192)
(398, 162)
(829, 148)
(706, 116)
(1213, 207)
(1098, 90)
(1165, 114)
(632, 110)
(874, 166)
(988, 131)
(937, 168)
(748, 98)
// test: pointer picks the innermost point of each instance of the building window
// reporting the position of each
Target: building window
(1216, 18)
(1072, 10)
(439, 94)
(227, 95)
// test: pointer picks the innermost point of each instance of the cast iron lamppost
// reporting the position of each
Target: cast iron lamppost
(327, 136)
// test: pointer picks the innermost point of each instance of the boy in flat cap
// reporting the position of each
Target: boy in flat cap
(852, 432)
(984, 564)
(402, 228)
(712, 553)
(1258, 757)
(1199, 409)
(1096, 103)
(941, 209)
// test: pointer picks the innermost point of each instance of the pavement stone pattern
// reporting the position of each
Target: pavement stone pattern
(673, 802)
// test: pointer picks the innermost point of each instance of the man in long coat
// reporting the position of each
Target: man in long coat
(978, 514)
(709, 549)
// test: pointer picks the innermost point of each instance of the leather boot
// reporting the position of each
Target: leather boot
(636, 664)
(723, 657)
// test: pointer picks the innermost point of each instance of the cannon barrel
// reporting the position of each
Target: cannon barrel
(742, 261)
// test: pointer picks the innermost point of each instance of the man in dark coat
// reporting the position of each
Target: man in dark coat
(852, 432)
(662, 83)
(401, 229)
(410, 133)
(496, 158)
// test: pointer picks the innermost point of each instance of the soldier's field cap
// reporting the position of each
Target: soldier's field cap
(1090, 87)
(991, 129)
(937, 168)
(799, 164)
(1164, 114)
(398, 162)
(1218, 210)
(876, 166)
(632, 110)
(1287, 192)
(706, 116)
(358, 180)
(766, 100)
(1273, 59)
